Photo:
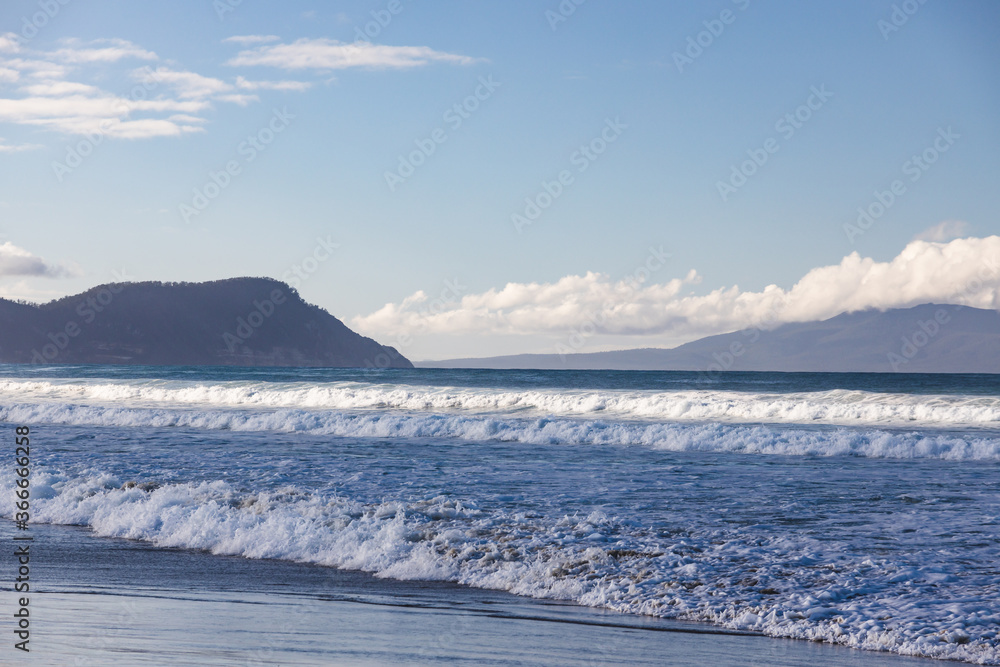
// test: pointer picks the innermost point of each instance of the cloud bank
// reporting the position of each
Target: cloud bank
(963, 271)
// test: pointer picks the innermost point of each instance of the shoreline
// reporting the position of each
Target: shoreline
(106, 601)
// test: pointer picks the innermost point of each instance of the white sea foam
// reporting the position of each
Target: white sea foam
(671, 436)
(598, 560)
(826, 407)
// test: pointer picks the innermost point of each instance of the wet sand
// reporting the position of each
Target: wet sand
(98, 601)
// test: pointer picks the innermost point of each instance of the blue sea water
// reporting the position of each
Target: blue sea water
(860, 509)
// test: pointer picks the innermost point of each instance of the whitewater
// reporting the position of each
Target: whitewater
(854, 509)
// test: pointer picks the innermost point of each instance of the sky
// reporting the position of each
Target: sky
(473, 179)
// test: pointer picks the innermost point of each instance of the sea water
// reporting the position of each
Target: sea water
(859, 509)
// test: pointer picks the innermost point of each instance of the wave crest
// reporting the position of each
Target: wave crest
(842, 407)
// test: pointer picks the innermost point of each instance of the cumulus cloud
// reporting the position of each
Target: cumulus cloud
(963, 271)
(16, 261)
(328, 54)
(944, 231)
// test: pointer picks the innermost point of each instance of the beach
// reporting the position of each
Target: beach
(106, 601)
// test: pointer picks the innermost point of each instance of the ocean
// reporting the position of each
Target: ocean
(854, 509)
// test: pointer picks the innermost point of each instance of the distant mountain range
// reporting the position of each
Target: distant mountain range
(236, 322)
(924, 339)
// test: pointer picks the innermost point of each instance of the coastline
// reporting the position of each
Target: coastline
(100, 601)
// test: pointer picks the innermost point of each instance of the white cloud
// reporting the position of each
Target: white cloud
(59, 88)
(237, 98)
(272, 85)
(97, 52)
(964, 271)
(15, 261)
(252, 39)
(38, 69)
(107, 114)
(144, 128)
(187, 84)
(165, 102)
(7, 148)
(185, 118)
(944, 231)
(9, 43)
(328, 54)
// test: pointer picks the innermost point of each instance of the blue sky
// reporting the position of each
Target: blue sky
(642, 244)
